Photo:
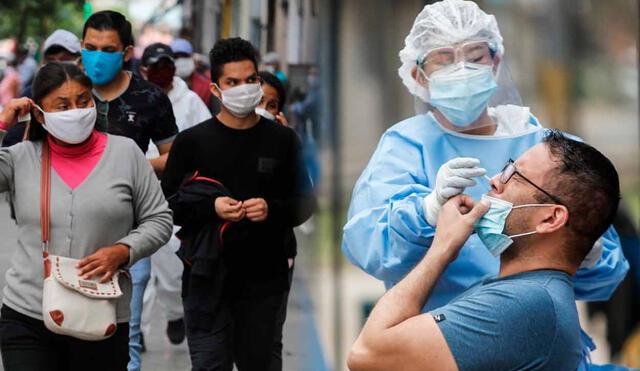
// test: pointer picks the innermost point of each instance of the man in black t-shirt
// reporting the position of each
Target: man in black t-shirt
(257, 161)
(131, 107)
(127, 105)
(142, 112)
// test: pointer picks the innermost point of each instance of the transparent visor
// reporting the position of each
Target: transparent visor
(444, 58)
(466, 74)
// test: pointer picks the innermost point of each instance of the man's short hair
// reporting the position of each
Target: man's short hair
(587, 183)
(108, 20)
(230, 50)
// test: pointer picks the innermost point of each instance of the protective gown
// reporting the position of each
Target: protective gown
(387, 234)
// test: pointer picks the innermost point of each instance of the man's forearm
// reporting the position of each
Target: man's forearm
(159, 164)
(407, 298)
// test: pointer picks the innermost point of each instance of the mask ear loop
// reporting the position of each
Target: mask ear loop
(527, 205)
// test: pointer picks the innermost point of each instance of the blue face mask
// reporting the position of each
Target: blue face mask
(101, 67)
(491, 225)
(462, 93)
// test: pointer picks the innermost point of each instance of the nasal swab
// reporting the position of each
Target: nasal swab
(487, 177)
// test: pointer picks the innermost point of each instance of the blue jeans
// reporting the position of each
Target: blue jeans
(140, 273)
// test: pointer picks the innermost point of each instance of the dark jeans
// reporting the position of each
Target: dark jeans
(243, 332)
(27, 345)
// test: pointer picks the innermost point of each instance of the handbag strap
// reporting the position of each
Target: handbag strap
(45, 194)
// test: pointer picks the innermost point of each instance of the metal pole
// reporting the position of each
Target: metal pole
(329, 31)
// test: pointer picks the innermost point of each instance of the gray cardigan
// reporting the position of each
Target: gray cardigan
(119, 202)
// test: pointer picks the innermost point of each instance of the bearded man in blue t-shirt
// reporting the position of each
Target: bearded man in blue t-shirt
(558, 197)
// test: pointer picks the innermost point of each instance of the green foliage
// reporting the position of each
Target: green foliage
(37, 19)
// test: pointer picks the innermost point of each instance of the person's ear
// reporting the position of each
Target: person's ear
(214, 90)
(38, 115)
(128, 53)
(419, 77)
(553, 219)
(496, 63)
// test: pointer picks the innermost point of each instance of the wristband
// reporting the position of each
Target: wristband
(3, 126)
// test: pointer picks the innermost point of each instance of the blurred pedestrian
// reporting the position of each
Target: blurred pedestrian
(237, 191)
(132, 107)
(186, 69)
(62, 46)
(10, 83)
(271, 63)
(27, 68)
(128, 221)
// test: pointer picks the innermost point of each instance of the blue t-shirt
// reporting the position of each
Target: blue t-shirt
(527, 321)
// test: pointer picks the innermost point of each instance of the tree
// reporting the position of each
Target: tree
(38, 18)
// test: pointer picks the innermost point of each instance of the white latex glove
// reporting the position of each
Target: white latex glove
(452, 178)
(593, 256)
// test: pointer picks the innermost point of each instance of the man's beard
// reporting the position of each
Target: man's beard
(518, 221)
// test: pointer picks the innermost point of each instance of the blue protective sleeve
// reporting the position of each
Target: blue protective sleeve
(386, 233)
(600, 281)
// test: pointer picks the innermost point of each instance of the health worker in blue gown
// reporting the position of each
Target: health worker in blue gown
(453, 64)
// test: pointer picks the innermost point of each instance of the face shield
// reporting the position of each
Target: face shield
(453, 59)
(460, 82)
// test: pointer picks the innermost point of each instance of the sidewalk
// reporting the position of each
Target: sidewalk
(302, 351)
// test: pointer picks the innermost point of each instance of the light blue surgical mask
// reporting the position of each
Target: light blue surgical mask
(491, 225)
(102, 67)
(461, 93)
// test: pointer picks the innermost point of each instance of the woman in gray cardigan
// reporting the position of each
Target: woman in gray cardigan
(107, 209)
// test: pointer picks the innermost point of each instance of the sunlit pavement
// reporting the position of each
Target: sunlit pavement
(302, 351)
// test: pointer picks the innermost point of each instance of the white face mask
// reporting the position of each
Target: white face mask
(241, 100)
(266, 114)
(72, 126)
(184, 66)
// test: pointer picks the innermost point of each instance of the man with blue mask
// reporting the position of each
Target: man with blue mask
(130, 106)
(127, 105)
(453, 63)
(525, 317)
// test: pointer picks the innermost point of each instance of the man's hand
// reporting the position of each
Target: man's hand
(16, 108)
(455, 223)
(229, 209)
(105, 261)
(257, 209)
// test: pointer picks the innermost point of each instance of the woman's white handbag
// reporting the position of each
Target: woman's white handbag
(71, 305)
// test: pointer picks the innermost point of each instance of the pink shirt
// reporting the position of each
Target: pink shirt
(74, 164)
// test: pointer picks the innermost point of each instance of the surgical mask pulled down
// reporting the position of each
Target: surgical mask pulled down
(266, 114)
(241, 100)
(491, 225)
(72, 126)
(461, 92)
